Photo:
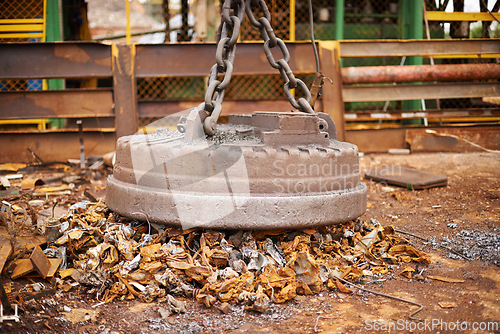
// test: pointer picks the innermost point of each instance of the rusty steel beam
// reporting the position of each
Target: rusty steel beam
(384, 48)
(376, 141)
(61, 145)
(417, 92)
(381, 140)
(55, 60)
(485, 114)
(53, 145)
(426, 73)
(125, 90)
(56, 104)
(332, 93)
(162, 60)
(168, 108)
(422, 141)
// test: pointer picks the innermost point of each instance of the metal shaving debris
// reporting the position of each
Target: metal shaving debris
(475, 245)
(112, 257)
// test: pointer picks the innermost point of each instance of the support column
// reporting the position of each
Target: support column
(412, 28)
(124, 89)
(339, 19)
(165, 9)
(53, 34)
(183, 35)
(333, 102)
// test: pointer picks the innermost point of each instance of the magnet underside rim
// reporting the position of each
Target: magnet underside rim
(259, 211)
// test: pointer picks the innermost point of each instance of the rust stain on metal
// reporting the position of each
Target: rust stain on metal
(40, 262)
(72, 52)
(412, 73)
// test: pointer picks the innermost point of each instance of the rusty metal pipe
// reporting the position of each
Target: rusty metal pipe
(412, 73)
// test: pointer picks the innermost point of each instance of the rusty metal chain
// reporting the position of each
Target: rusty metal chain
(227, 36)
(271, 41)
(233, 12)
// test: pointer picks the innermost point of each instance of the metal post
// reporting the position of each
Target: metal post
(183, 35)
(4, 299)
(416, 27)
(53, 34)
(292, 20)
(127, 11)
(412, 15)
(44, 32)
(125, 89)
(333, 103)
(339, 19)
(166, 19)
(82, 147)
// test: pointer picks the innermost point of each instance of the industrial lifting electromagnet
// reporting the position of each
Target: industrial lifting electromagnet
(267, 170)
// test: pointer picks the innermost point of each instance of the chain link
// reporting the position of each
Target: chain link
(271, 41)
(233, 12)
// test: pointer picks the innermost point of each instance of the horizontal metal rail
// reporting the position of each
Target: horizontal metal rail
(82, 103)
(441, 47)
(162, 60)
(22, 28)
(431, 114)
(54, 145)
(417, 92)
(461, 16)
(426, 73)
(167, 108)
(67, 60)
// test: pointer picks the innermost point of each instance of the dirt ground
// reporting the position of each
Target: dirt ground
(465, 300)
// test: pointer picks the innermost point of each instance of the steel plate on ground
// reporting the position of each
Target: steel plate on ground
(406, 177)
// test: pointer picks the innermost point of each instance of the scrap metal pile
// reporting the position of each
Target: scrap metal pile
(112, 257)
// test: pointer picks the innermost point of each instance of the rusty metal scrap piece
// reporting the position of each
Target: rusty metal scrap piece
(40, 262)
(278, 265)
(264, 171)
(406, 177)
(173, 306)
(174, 284)
(4, 299)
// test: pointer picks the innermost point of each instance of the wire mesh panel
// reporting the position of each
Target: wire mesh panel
(16, 20)
(171, 88)
(280, 21)
(15, 12)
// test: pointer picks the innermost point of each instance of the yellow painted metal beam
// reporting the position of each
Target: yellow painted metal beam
(44, 31)
(127, 13)
(21, 21)
(41, 124)
(20, 27)
(459, 16)
(292, 20)
(22, 35)
(445, 56)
